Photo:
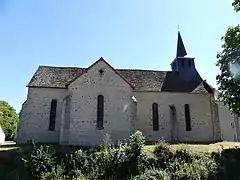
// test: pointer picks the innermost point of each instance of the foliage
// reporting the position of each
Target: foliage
(236, 5)
(197, 170)
(185, 155)
(41, 160)
(8, 120)
(163, 153)
(57, 173)
(153, 174)
(228, 162)
(130, 161)
(228, 60)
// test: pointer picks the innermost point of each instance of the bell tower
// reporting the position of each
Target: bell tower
(182, 65)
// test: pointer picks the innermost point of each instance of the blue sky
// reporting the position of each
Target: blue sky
(127, 33)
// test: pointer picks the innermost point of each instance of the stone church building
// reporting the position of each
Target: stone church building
(78, 106)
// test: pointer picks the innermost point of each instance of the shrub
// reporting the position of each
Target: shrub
(203, 168)
(57, 173)
(41, 160)
(228, 163)
(163, 153)
(184, 155)
(109, 163)
(135, 154)
(120, 162)
(77, 161)
(153, 175)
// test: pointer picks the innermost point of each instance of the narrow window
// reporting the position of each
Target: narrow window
(100, 111)
(155, 116)
(182, 62)
(53, 111)
(187, 118)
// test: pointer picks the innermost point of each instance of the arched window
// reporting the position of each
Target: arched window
(100, 111)
(53, 112)
(155, 116)
(187, 117)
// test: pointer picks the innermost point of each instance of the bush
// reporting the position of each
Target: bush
(110, 163)
(201, 169)
(135, 154)
(41, 160)
(163, 153)
(8, 120)
(118, 162)
(153, 175)
(76, 161)
(57, 173)
(228, 163)
(184, 155)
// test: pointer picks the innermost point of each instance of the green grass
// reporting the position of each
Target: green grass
(200, 147)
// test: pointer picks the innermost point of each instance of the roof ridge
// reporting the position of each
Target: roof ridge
(62, 67)
(121, 69)
(141, 70)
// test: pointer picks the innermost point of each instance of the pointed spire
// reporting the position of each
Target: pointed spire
(181, 51)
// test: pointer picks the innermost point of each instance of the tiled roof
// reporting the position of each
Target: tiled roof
(141, 80)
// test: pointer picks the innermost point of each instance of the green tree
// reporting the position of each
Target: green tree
(236, 5)
(8, 119)
(228, 60)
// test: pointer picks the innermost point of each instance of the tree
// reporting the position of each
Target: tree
(236, 5)
(229, 63)
(8, 119)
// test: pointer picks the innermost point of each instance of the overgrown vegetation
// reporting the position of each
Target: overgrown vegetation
(126, 161)
(8, 120)
(228, 60)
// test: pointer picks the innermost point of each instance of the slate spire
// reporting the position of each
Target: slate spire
(181, 51)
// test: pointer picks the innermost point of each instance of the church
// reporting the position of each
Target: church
(80, 105)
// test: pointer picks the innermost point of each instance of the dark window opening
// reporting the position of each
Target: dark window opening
(101, 71)
(53, 112)
(100, 111)
(182, 62)
(173, 109)
(189, 63)
(155, 116)
(187, 117)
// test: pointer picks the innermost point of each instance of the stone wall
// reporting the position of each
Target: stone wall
(117, 106)
(200, 113)
(34, 116)
(227, 121)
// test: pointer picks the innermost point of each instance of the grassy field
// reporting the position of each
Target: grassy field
(194, 147)
(201, 147)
